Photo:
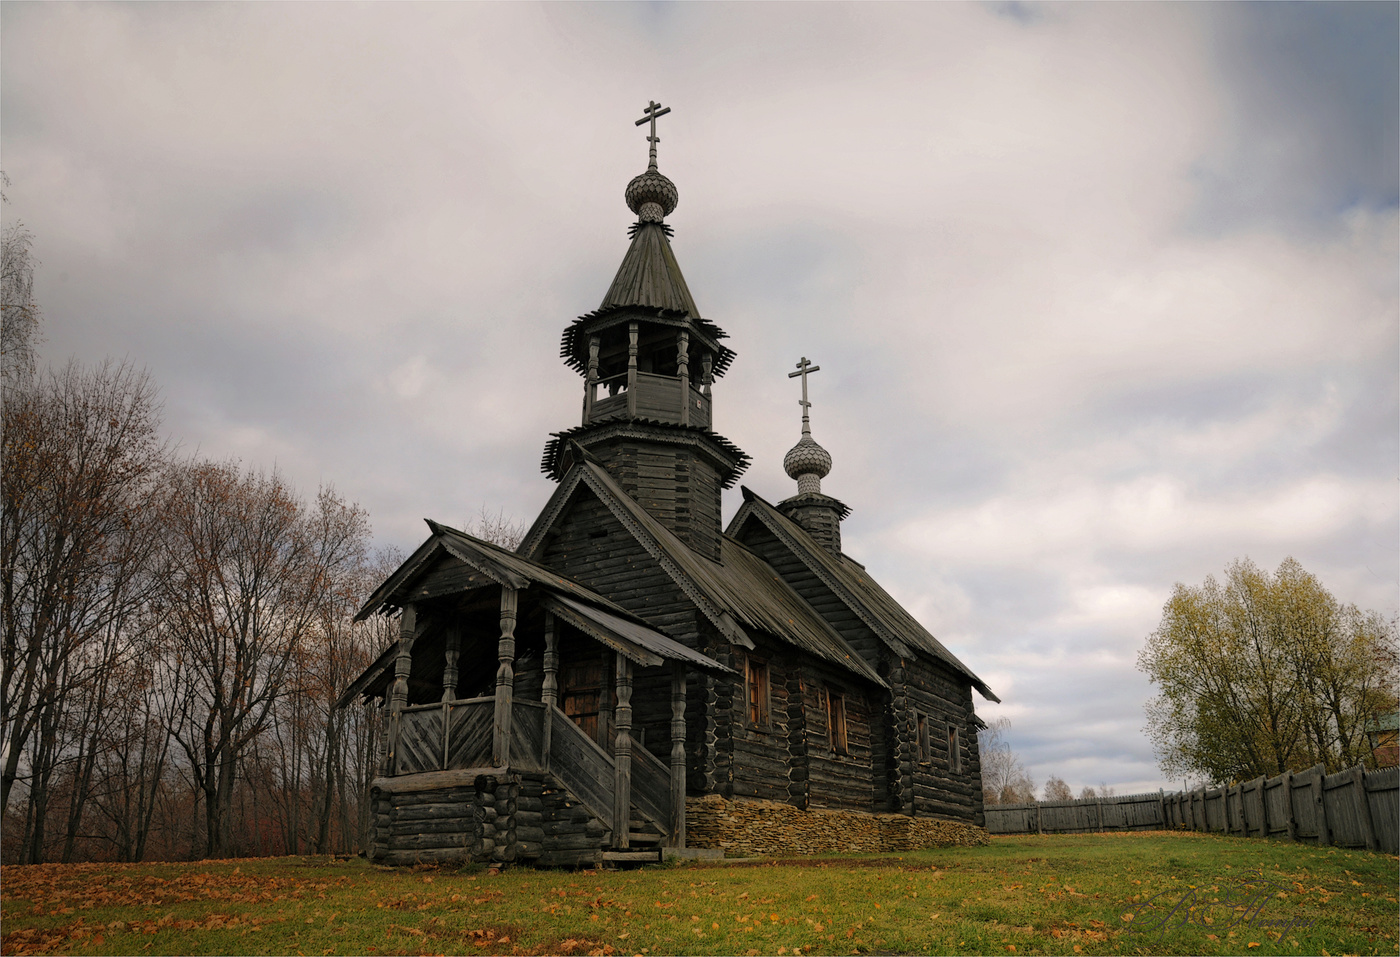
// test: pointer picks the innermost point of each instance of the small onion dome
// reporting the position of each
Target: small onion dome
(652, 196)
(807, 458)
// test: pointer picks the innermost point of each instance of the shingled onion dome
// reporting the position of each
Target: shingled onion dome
(652, 196)
(808, 463)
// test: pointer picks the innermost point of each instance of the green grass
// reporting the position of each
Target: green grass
(1022, 895)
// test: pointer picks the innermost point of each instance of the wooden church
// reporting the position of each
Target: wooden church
(563, 703)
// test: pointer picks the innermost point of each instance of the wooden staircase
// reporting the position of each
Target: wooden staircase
(644, 845)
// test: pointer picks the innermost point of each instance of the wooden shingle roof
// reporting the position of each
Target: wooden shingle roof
(898, 629)
(737, 593)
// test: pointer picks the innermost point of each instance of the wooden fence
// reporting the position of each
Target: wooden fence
(1352, 808)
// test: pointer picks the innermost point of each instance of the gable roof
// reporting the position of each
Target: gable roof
(496, 563)
(739, 592)
(898, 629)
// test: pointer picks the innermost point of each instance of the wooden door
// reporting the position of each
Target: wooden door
(583, 690)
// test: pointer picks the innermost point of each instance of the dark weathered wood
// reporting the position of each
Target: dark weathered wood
(622, 749)
(1324, 833)
(1363, 808)
(677, 754)
(581, 766)
(403, 665)
(549, 691)
(505, 678)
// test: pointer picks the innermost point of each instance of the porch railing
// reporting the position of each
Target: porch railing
(456, 735)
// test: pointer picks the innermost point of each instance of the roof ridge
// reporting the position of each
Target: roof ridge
(831, 569)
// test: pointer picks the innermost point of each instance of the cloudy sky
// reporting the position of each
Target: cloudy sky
(1104, 296)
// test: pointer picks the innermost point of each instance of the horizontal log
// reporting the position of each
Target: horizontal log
(403, 842)
(433, 780)
(428, 812)
(447, 826)
(444, 855)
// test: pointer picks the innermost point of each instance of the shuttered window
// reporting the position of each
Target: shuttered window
(954, 750)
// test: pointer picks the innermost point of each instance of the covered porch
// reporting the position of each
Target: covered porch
(503, 668)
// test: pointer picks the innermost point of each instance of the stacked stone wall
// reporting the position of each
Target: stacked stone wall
(741, 828)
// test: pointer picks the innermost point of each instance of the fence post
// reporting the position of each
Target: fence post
(1288, 819)
(1039, 824)
(1363, 807)
(1263, 806)
(1098, 807)
(1162, 808)
(1324, 834)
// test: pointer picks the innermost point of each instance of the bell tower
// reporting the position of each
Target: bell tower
(649, 362)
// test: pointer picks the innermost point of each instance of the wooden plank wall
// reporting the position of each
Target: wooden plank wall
(933, 787)
(1351, 808)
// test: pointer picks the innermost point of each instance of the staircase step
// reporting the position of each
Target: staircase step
(632, 857)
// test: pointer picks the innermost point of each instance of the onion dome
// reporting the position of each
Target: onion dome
(652, 196)
(808, 463)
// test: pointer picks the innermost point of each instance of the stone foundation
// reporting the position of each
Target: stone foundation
(769, 827)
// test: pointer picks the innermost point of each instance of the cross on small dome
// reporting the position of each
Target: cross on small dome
(807, 462)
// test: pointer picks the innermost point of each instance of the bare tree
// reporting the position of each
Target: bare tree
(19, 313)
(496, 528)
(81, 455)
(245, 578)
(1004, 778)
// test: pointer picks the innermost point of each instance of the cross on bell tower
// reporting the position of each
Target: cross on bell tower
(805, 368)
(653, 110)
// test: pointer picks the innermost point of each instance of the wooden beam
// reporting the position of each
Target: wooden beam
(631, 369)
(403, 665)
(677, 754)
(591, 380)
(622, 753)
(505, 678)
(549, 691)
(683, 367)
(1363, 808)
(1324, 833)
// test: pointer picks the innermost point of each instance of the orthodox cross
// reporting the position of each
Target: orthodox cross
(653, 110)
(804, 368)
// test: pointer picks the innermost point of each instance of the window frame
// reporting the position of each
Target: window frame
(923, 739)
(758, 685)
(837, 727)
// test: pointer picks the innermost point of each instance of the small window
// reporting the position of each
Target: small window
(925, 744)
(756, 691)
(954, 750)
(836, 722)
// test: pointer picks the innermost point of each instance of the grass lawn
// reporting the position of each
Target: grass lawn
(1090, 894)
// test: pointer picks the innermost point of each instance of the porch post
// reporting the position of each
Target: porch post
(549, 692)
(398, 698)
(449, 671)
(622, 754)
(677, 754)
(631, 368)
(451, 654)
(590, 385)
(505, 679)
(683, 368)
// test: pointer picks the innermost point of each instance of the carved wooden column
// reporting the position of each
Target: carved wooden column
(683, 367)
(398, 698)
(677, 754)
(549, 691)
(707, 376)
(591, 380)
(505, 679)
(451, 654)
(631, 368)
(449, 670)
(622, 753)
